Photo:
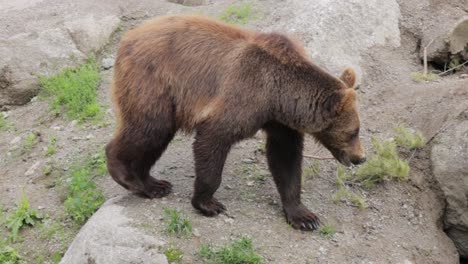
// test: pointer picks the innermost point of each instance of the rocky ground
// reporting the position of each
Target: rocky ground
(404, 221)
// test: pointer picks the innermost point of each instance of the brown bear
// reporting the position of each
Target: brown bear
(225, 83)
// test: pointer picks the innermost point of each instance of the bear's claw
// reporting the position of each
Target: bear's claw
(209, 208)
(303, 219)
(155, 188)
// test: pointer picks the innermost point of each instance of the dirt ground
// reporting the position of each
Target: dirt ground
(401, 225)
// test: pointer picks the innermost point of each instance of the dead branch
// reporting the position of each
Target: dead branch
(425, 57)
(451, 69)
(317, 157)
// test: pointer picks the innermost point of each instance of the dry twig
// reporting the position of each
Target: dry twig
(317, 157)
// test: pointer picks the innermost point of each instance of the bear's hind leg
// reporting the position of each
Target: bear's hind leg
(284, 154)
(132, 153)
(210, 154)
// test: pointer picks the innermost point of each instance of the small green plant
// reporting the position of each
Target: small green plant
(47, 170)
(3, 123)
(31, 140)
(119, 27)
(420, 77)
(407, 138)
(261, 147)
(83, 197)
(237, 14)
(98, 164)
(56, 257)
(177, 223)
(384, 164)
(21, 217)
(40, 259)
(239, 252)
(327, 231)
(74, 91)
(251, 171)
(9, 255)
(311, 171)
(51, 147)
(174, 255)
(343, 193)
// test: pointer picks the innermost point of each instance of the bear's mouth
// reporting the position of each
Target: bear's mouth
(342, 157)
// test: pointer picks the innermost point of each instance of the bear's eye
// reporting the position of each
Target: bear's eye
(354, 134)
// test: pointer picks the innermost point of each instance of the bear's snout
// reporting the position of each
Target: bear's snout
(359, 160)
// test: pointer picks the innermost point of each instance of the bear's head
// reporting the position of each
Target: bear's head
(341, 137)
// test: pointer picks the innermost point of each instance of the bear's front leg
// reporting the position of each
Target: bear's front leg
(284, 153)
(210, 153)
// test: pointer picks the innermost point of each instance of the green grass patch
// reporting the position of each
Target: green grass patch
(251, 171)
(407, 138)
(56, 257)
(343, 193)
(98, 163)
(177, 223)
(384, 164)
(311, 171)
(83, 196)
(51, 147)
(40, 259)
(3, 123)
(22, 216)
(261, 147)
(420, 77)
(9, 255)
(58, 232)
(31, 140)
(327, 231)
(174, 255)
(47, 170)
(239, 252)
(74, 91)
(239, 14)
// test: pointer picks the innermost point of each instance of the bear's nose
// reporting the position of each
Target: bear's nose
(362, 160)
(359, 160)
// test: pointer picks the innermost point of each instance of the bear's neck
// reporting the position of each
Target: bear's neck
(300, 97)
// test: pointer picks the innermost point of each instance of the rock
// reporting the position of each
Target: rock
(196, 233)
(26, 55)
(15, 140)
(107, 63)
(458, 39)
(188, 2)
(90, 33)
(110, 237)
(228, 220)
(450, 167)
(73, 123)
(38, 40)
(448, 36)
(330, 33)
(248, 161)
(32, 169)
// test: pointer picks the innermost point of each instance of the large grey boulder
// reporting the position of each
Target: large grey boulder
(42, 37)
(337, 33)
(109, 236)
(440, 23)
(450, 166)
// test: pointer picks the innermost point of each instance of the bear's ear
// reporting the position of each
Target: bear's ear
(340, 100)
(333, 102)
(349, 77)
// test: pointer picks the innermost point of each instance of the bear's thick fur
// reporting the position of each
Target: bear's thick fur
(192, 73)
